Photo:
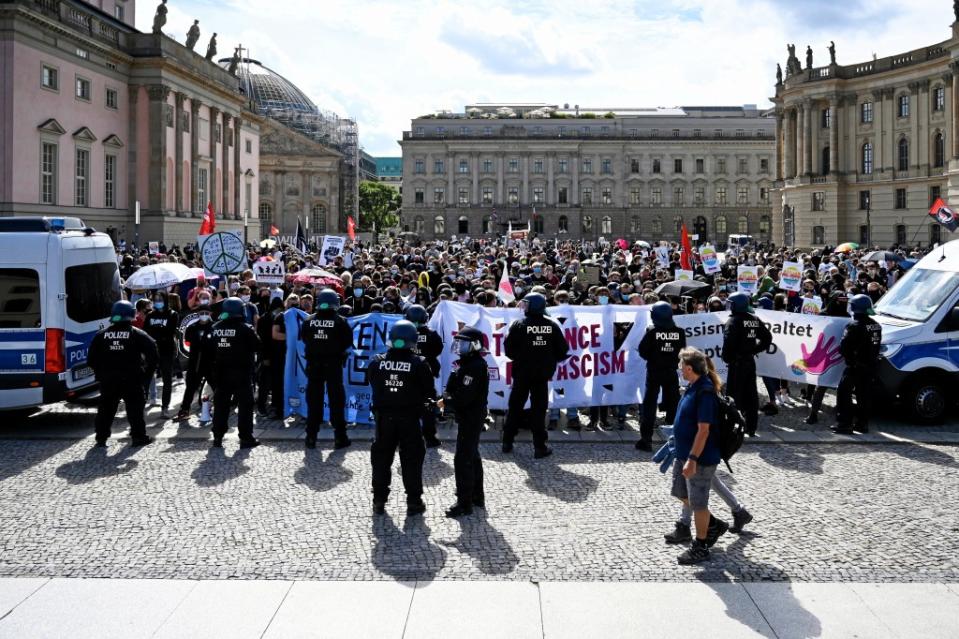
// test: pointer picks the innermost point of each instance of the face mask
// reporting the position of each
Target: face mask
(637, 283)
(537, 270)
(357, 292)
(205, 301)
(519, 290)
(463, 347)
(245, 298)
(205, 318)
(158, 306)
(603, 300)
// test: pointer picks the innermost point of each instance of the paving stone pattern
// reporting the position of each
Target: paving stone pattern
(177, 509)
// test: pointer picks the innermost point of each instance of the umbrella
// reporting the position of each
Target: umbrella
(683, 288)
(642, 244)
(161, 275)
(268, 244)
(845, 248)
(883, 256)
(318, 277)
(907, 264)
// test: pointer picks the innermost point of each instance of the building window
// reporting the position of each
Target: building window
(487, 166)
(437, 166)
(607, 167)
(764, 225)
(419, 167)
(606, 226)
(743, 166)
(903, 163)
(657, 166)
(587, 224)
(825, 160)
(865, 114)
(487, 195)
(512, 195)
(118, 12)
(634, 166)
(50, 78)
(864, 200)
(463, 225)
(742, 195)
(463, 196)
(679, 196)
(607, 196)
(935, 192)
(538, 166)
(563, 224)
(939, 151)
(657, 227)
(656, 196)
(538, 195)
(900, 234)
(721, 166)
(720, 226)
(249, 146)
(743, 225)
(818, 235)
(439, 195)
(587, 166)
(634, 196)
(587, 199)
(903, 110)
(699, 196)
(935, 235)
(487, 131)
(266, 213)
(439, 225)
(83, 89)
(83, 53)
(721, 195)
(764, 165)
(864, 235)
(464, 166)
(110, 181)
(513, 166)
(700, 165)
(48, 173)
(900, 198)
(939, 99)
(201, 190)
(81, 190)
(764, 194)
(563, 165)
(319, 219)
(634, 224)
(111, 99)
(867, 158)
(539, 225)
(487, 225)
(819, 201)
(419, 225)
(563, 195)
(826, 118)
(464, 131)
(678, 165)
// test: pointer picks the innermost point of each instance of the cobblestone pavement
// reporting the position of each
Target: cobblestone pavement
(178, 509)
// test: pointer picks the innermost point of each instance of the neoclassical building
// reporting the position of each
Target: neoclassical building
(97, 118)
(866, 148)
(590, 173)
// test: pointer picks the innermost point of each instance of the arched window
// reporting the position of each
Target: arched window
(318, 221)
(439, 225)
(634, 224)
(463, 227)
(587, 224)
(607, 225)
(903, 163)
(743, 225)
(538, 224)
(563, 224)
(720, 225)
(939, 151)
(764, 225)
(678, 224)
(867, 158)
(657, 230)
(487, 225)
(419, 225)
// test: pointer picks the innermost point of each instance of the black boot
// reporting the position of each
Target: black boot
(310, 442)
(379, 507)
(740, 518)
(432, 441)
(717, 528)
(644, 444)
(681, 535)
(146, 440)
(341, 441)
(507, 446)
(540, 453)
(459, 510)
(415, 507)
(697, 553)
(479, 502)
(250, 443)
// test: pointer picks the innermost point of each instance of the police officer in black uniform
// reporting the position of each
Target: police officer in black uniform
(232, 346)
(744, 337)
(536, 345)
(429, 346)
(466, 393)
(860, 345)
(836, 306)
(198, 367)
(162, 324)
(328, 339)
(402, 385)
(123, 358)
(660, 348)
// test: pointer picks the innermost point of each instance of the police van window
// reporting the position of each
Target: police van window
(19, 298)
(91, 291)
(918, 294)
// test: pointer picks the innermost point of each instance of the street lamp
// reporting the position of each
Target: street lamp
(868, 219)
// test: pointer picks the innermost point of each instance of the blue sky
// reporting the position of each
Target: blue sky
(384, 62)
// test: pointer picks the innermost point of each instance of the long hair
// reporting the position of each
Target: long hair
(701, 364)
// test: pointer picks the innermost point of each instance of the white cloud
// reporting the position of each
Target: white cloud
(385, 61)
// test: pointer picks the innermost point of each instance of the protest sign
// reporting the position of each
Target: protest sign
(662, 254)
(683, 275)
(790, 279)
(222, 253)
(154, 248)
(269, 272)
(747, 279)
(710, 259)
(811, 305)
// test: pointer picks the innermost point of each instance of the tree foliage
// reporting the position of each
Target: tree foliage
(379, 203)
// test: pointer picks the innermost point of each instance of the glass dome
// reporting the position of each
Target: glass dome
(269, 90)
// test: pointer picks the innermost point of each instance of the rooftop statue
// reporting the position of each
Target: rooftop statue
(160, 18)
(193, 35)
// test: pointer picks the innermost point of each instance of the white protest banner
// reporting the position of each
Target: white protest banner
(269, 272)
(154, 248)
(812, 306)
(747, 278)
(790, 279)
(682, 275)
(710, 259)
(332, 248)
(222, 253)
(662, 254)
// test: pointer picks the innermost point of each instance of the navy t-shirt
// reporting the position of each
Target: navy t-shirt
(697, 405)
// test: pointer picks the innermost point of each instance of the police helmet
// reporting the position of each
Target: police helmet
(861, 305)
(403, 335)
(232, 307)
(740, 303)
(661, 313)
(535, 304)
(327, 300)
(472, 335)
(417, 314)
(122, 311)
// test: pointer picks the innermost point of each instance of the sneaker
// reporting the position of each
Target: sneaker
(415, 507)
(379, 507)
(681, 535)
(740, 518)
(141, 441)
(432, 442)
(250, 443)
(717, 528)
(459, 510)
(310, 442)
(698, 552)
(341, 442)
(645, 445)
(540, 453)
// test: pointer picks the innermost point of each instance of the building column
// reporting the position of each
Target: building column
(237, 211)
(780, 144)
(279, 198)
(550, 180)
(789, 145)
(914, 110)
(225, 186)
(954, 98)
(133, 95)
(475, 168)
(195, 206)
(575, 160)
(307, 209)
(213, 187)
(452, 198)
(833, 135)
(178, 154)
(807, 139)
(499, 179)
(524, 197)
(156, 188)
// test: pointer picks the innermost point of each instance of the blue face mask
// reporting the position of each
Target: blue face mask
(537, 269)
(603, 300)
(463, 347)
(158, 306)
(357, 292)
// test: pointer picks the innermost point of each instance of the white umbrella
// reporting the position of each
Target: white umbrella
(268, 243)
(157, 276)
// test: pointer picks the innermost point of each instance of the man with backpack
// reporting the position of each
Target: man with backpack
(744, 337)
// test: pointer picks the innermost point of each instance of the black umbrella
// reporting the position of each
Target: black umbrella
(683, 288)
(883, 256)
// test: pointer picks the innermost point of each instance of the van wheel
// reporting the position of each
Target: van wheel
(926, 401)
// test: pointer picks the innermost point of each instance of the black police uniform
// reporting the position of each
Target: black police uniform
(660, 348)
(198, 366)
(467, 389)
(860, 345)
(402, 384)
(429, 346)
(536, 345)
(327, 338)
(744, 337)
(124, 358)
(836, 306)
(162, 326)
(232, 346)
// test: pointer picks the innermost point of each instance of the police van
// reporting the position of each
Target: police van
(58, 281)
(920, 336)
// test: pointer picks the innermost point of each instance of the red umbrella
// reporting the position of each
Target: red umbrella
(318, 278)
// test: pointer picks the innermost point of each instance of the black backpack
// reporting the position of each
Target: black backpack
(730, 426)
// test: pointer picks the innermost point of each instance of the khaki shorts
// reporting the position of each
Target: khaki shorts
(696, 488)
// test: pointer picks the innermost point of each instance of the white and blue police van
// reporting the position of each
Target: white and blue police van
(58, 282)
(920, 336)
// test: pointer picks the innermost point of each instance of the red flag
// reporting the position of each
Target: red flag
(274, 230)
(351, 228)
(944, 214)
(686, 254)
(209, 220)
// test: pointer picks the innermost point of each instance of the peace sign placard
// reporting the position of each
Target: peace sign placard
(222, 253)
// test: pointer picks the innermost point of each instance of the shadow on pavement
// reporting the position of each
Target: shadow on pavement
(435, 468)
(924, 454)
(548, 478)
(406, 555)
(801, 459)
(98, 464)
(216, 468)
(487, 546)
(322, 475)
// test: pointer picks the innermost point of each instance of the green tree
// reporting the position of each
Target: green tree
(379, 203)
